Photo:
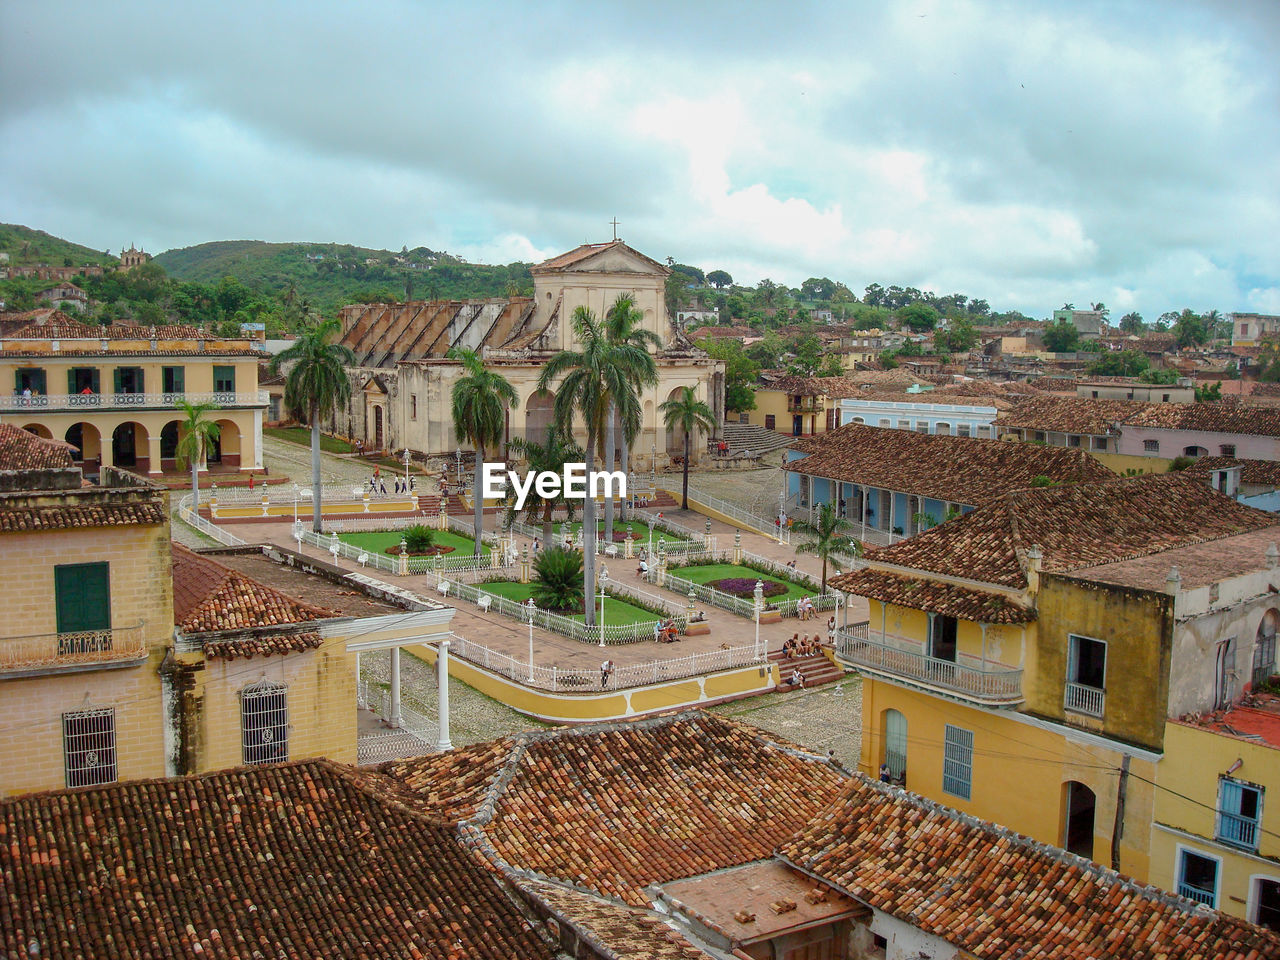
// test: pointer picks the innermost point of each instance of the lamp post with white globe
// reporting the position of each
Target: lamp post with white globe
(530, 611)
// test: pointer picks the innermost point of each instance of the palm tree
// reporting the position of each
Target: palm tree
(558, 449)
(628, 348)
(480, 401)
(316, 383)
(687, 412)
(197, 434)
(825, 536)
(592, 375)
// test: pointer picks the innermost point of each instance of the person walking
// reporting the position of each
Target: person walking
(606, 671)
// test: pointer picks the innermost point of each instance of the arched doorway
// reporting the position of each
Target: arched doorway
(169, 446)
(129, 446)
(539, 416)
(1079, 804)
(87, 441)
(675, 438)
(1264, 647)
(40, 430)
(228, 443)
(895, 744)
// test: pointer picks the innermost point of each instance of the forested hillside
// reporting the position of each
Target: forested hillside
(27, 247)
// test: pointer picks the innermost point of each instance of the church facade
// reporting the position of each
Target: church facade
(403, 379)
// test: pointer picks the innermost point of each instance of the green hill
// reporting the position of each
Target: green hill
(27, 247)
(329, 275)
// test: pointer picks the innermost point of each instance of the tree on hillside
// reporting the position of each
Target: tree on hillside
(719, 279)
(1102, 309)
(196, 433)
(827, 535)
(959, 337)
(1061, 336)
(315, 384)
(479, 403)
(767, 351)
(740, 373)
(919, 317)
(1119, 363)
(1132, 323)
(817, 288)
(686, 412)
(693, 273)
(1190, 329)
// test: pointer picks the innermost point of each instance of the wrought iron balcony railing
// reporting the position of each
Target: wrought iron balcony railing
(63, 650)
(905, 660)
(61, 402)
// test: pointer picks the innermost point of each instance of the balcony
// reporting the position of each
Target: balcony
(87, 650)
(89, 402)
(903, 659)
(1237, 830)
(1083, 699)
(1198, 894)
(803, 405)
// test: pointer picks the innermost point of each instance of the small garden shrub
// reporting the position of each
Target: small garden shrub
(558, 586)
(420, 539)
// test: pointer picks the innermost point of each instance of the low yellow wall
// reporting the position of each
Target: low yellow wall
(1120, 462)
(714, 514)
(279, 508)
(584, 707)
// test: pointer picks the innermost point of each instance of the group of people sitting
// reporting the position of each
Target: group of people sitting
(801, 647)
(665, 631)
(804, 608)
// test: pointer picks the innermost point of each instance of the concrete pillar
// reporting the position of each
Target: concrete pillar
(256, 460)
(524, 564)
(394, 719)
(737, 546)
(153, 455)
(442, 678)
(108, 454)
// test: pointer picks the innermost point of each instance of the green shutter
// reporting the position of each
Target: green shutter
(41, 383)
(71, 381)
(224, 379)
(95, 374)
(116, 379)
(82, 594)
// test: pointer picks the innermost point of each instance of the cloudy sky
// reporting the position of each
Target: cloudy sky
(1024, 152)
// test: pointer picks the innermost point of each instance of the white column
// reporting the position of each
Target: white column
(257, 441)
(442, 678)
(394, 719)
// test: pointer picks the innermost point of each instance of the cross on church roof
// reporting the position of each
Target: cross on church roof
(614, 221)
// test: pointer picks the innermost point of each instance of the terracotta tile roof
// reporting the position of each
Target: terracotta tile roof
(21, 450)
(997, 894)
(615, 929)
(617, 806)
(1260, 472)
(933, 596)
(289, 860)
(588, 250)
(214, 350)
(209, 597)
(1224, 416)
(1075, 525)
(941, 395)
(59, 326)
(17, 518)
(1080, 415)
(452, 786)
(959, 469)
(261, 646)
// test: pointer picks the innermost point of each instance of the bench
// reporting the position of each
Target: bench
(484, 603)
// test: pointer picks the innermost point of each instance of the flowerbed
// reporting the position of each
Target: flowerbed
(746, 588)
(435, 551)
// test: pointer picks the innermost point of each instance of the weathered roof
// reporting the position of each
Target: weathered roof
(1259, 472)
(957, 469)
(933, 596)
(615, 807)
(23, 450)
(588, 250)
(941, 395)
(1199, 564)
(59, 326)
(1066, 414)
(209, 597)
(1075, 525)
(1223, 416)
(296, 859)
(998, 894)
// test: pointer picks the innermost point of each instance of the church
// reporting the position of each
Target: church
(403, 379)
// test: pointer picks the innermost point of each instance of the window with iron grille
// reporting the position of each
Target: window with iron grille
(957, 762)
(89, 746)
(264, 722)
(1150, 446)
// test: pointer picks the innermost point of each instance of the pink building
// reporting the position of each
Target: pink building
(1202, 430)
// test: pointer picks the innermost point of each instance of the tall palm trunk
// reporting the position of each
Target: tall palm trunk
(195, 481)
(477, 498)
(609, 449)
(626, 472)
(546, 524)
(589, 542)
(685, 492)
(317, 521)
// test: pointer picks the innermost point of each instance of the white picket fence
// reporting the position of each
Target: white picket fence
(622, 677)
(193, 519)
(746, 607)
(565, 626)
(449, 563)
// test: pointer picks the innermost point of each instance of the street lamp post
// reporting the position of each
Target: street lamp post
(652, 521)
(759, 605)
(457, 456)
(530, 610)
(406, 469)
(604, 579)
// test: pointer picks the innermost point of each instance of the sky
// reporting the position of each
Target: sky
(1028, 153)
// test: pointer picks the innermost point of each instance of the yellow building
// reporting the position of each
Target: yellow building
(111, 391)
(1021, 662)
(801, 406)
(267, 671)
(86, 620)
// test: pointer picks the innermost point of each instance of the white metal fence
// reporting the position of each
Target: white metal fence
(740, 515)
(193, 519)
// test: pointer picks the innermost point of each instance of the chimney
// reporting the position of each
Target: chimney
(1173, 582)
(1273, 557)
(1034, 561)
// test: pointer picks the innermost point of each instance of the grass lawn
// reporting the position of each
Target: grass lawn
(641, 530)
(616, 612)
(377, 541)
(302, 436)
(721, 571)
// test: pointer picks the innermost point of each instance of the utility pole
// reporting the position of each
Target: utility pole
(1117, 830)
